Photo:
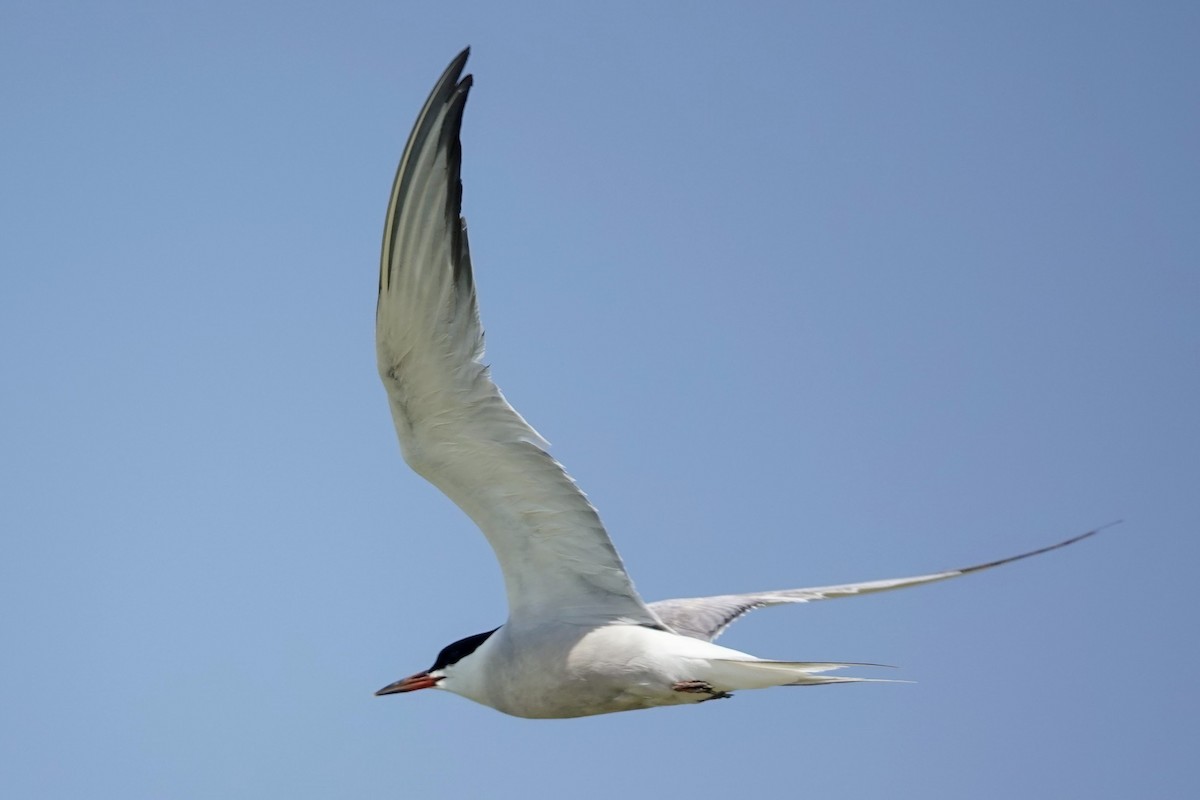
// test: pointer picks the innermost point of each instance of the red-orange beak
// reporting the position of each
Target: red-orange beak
(422, 680)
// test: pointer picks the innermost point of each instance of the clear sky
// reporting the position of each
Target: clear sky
(802, 293)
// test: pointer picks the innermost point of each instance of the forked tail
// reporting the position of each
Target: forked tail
(731, 674)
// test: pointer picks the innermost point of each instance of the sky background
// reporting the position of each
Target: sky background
(802, 293)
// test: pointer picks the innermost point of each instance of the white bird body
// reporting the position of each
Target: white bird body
(556, 669)
(579, 639)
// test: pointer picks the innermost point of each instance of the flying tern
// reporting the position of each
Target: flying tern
(579, 639)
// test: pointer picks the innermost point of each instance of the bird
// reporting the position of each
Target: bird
(578, 640)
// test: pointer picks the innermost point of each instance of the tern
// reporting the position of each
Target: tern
(579, 640)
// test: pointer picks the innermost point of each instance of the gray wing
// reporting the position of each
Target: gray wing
(455, 427)
(708, 617)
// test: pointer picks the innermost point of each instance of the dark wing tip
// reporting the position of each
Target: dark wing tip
(450, 93)
(1039, 551)
(452, 143)
(452, 72)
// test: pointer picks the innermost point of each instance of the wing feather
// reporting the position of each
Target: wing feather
(455, 427)
(708, 617)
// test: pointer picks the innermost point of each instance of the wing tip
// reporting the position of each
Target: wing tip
(1039, 551)
(450, 92)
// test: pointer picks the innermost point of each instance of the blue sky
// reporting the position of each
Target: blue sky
(802, 293)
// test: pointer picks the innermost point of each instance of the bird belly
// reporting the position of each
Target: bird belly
(582, 673)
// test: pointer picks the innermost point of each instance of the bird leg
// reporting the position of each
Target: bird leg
(701, 687)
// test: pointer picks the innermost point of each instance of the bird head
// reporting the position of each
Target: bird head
(443, 667)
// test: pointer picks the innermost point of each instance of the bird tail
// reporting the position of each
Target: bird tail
(730, 674)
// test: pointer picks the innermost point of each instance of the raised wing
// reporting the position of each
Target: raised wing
(708, 617)
(455, 427)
